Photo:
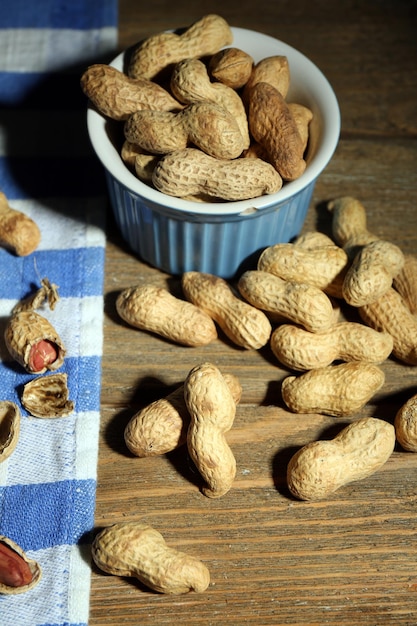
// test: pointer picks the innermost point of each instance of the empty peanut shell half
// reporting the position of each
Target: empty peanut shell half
(18, 573)
(9, 428)
(33, 342)
(47, 396)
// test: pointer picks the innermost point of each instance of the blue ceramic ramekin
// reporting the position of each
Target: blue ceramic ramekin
(177, 235)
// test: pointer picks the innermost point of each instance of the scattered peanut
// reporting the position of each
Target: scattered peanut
(136, 549)
(9, 428)
(319, 266)
(154, 309)
(47, 396)
(405, 424)
(349, 224)
(243, 324)
(231, 66)
(18, 232)
(320, 468)
(162, 426)
(212, 410)
(406, 282)
(206, 125)
(371, 273)
(190, 172)
(18, 573)
(158, 53)
(301, 350)
(333, 390)
(117, 96)
(299, 302)
(390, 314)
(271, 124)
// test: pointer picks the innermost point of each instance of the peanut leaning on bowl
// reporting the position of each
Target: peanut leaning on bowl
(321, 265)
(299, 302)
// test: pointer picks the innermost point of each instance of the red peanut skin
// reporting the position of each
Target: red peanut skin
(42, 354)
(14, 571)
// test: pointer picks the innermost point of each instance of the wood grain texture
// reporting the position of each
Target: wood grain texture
(350, 559)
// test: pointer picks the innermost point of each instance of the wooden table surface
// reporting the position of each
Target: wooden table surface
(351, 558)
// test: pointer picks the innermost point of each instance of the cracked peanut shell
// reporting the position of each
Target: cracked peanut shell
(47, 397)
(9, 428)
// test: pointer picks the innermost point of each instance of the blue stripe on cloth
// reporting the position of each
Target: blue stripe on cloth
(82, 372)
(36, 178)
(78, 272)
(48, 514)
(75, 14)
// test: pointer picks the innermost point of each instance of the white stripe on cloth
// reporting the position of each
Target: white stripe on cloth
(45, 50)
(74, 458)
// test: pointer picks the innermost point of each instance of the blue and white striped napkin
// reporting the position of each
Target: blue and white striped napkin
(48, 171)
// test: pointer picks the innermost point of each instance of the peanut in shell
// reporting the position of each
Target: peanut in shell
(25, 331)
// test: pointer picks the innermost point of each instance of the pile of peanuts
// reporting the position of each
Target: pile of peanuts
(292, 302)
(222, 129)
(201, 119)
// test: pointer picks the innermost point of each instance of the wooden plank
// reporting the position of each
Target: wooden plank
(349, 559)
